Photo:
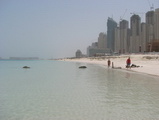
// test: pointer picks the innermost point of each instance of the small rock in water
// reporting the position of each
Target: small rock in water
(26, 67)
(82, 67)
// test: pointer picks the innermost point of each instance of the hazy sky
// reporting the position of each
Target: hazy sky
(57, 28)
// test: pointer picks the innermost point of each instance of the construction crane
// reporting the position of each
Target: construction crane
(121, 17)
(150, 5)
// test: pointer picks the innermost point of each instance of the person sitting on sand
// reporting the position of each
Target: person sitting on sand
(128, 63)
(134, 66)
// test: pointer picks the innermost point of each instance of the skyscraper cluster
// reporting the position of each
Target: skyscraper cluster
(120, 38)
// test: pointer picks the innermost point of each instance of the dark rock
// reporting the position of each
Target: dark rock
(26, 67)
(82, 67)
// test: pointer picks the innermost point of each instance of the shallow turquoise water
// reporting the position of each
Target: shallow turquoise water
(54, 90)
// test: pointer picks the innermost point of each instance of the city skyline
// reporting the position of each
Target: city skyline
(140, 37)
(56, 29)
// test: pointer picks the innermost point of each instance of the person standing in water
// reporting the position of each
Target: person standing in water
(109, 62)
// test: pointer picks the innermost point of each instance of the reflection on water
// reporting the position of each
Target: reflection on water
(127, 95)
(62, 91)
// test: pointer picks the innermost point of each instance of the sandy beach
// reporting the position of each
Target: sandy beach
(148, 63)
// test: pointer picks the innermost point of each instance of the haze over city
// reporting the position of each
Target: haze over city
(56, 29)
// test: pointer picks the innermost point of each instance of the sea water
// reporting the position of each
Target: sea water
(56, 90)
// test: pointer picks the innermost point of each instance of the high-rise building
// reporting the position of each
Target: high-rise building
(124, 26)
(152, 30)
(156, 25)
(78, 54)
(111, 25)
(150, 26)
(143, 38)
(117, 40)
(135, 24)
(150, 17)
(93, 50)
(102, 41)
(135, 27)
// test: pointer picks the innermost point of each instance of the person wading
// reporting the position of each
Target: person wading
(109, 62)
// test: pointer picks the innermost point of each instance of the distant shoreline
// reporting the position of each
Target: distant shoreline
(148, 63)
